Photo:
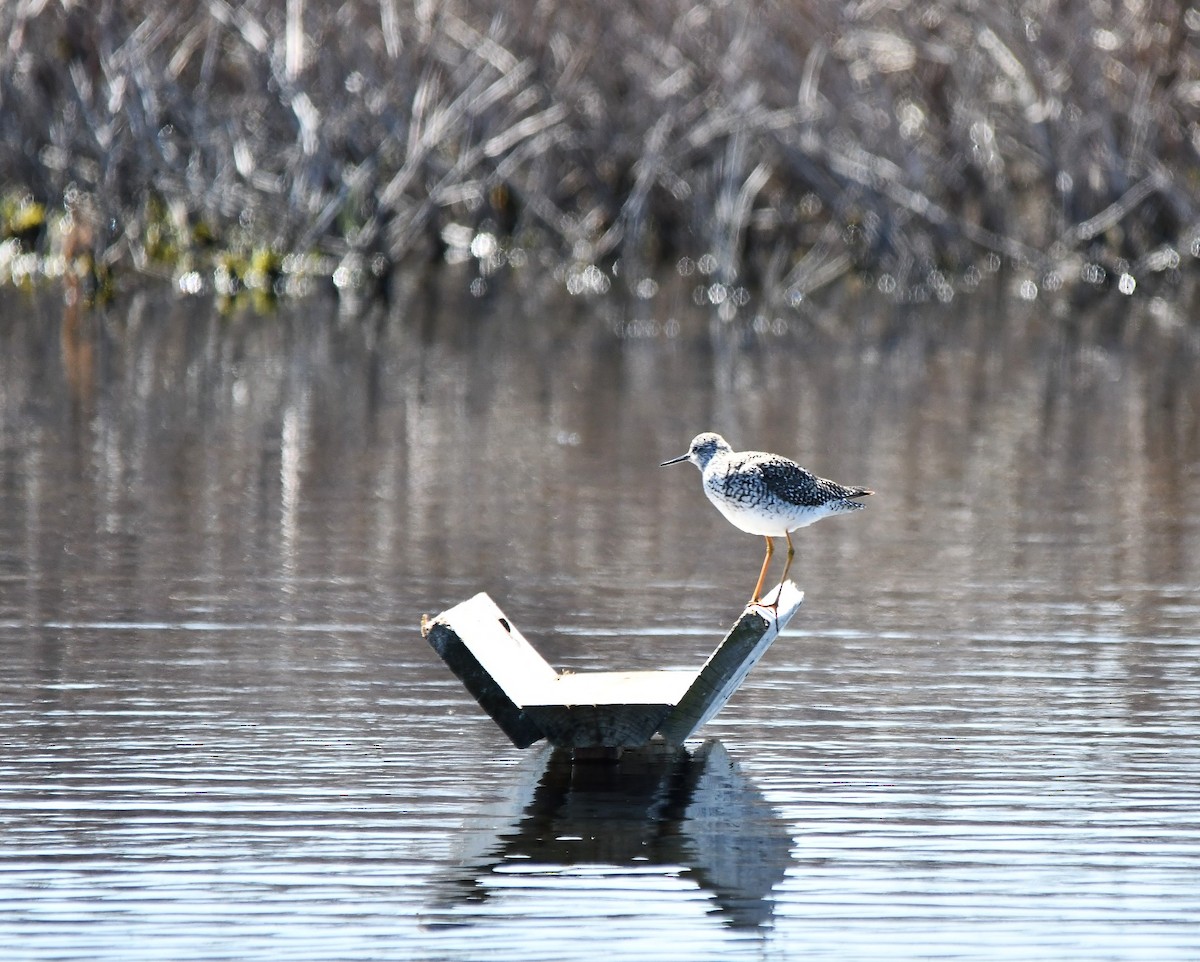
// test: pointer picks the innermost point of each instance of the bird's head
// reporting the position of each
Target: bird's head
(704, 448)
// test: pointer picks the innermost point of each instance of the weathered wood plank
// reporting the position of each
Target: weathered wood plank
(728, 666)
(529, 700)
(610, 709)
(662, 687)
(598, 726)
(495, 663)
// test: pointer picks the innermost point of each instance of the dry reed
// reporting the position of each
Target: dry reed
(781, 143)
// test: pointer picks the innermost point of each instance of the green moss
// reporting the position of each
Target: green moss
(265, 267)
(22, 217)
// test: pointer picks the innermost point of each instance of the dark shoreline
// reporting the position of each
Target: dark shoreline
(789, 145)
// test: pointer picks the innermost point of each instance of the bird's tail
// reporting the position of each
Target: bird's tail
(846, 502)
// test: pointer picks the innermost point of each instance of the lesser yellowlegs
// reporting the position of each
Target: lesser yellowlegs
(766, 494)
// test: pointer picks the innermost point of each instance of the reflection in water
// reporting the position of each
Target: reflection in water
(656, 807)
(420, 457)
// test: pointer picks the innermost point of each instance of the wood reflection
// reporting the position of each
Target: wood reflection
(656, 807)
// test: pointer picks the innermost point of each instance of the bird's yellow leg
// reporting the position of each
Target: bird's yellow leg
(787, 566)
(791, 554)
(763, 574)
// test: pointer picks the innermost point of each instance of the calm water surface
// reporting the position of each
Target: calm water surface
(222, 736)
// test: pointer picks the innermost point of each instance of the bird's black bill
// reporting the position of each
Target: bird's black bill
(682, 457)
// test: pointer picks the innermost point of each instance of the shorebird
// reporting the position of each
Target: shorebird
(766, 494)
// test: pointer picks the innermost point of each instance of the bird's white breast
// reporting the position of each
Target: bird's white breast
(770, 518)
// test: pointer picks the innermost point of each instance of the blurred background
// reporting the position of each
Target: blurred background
(782, 144)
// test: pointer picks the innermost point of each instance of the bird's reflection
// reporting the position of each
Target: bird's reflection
(659, 805)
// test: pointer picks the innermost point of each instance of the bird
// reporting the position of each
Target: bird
(766, 494)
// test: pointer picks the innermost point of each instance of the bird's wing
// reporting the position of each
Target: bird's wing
(789, 481)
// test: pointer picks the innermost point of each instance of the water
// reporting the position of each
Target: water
(222, 736)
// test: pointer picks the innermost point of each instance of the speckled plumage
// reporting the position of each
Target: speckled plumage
(766, 494)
